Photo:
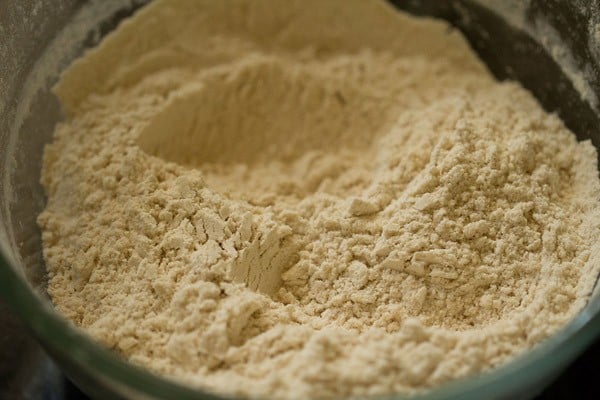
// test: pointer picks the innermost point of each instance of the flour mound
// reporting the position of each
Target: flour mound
(319, 200)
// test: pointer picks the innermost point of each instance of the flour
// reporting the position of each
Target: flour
(311, 201)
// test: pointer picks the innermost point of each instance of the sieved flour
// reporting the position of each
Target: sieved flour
(311, 199)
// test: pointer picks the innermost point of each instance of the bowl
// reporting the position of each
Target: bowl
(38, 39)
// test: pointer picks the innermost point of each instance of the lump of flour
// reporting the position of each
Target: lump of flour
(311, 200)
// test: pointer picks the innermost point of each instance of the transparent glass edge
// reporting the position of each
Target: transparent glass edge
(41, 319)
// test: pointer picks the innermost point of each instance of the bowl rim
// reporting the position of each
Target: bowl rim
(55, 333)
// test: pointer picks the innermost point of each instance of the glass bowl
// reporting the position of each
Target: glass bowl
(38, 39)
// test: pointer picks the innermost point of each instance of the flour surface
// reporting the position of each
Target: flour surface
(311, 199)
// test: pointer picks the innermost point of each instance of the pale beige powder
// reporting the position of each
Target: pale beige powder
(311, 199)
